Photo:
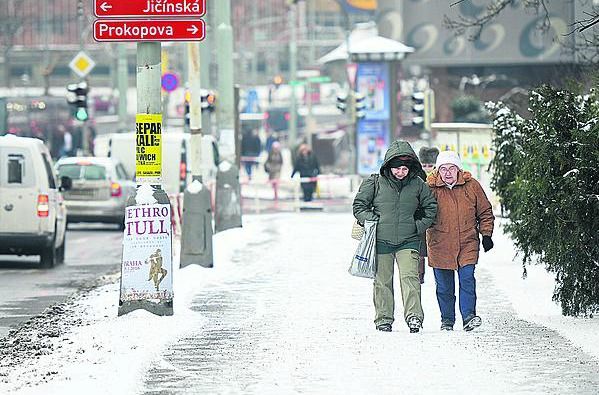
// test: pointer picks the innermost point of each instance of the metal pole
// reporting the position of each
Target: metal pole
(195, 109)
(205, 66)
(80, 22)
(292, 74)
(226, 114)
(123, 85)
(353, 125)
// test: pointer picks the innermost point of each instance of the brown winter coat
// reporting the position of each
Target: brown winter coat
(462, 213)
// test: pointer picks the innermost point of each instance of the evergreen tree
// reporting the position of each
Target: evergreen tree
(553, 192)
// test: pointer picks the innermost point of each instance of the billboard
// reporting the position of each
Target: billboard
(514, 37)
(372, 81)
(373, 131)
(373, 142)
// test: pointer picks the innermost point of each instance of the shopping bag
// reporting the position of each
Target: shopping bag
(363, 263)
(357, 231)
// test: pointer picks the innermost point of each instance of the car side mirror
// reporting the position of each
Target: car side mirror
(66, 183)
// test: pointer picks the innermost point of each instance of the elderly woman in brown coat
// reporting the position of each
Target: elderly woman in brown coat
(453, 242)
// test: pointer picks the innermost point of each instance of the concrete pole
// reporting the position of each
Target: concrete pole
(228, 190)
(196, 236)
(225, 99)
(149, 191)
(292, 75)
(123, 86)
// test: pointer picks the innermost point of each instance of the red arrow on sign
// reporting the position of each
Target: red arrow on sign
(149, 30)
(149, 8)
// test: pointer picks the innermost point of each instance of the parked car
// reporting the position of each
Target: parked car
(32, 211)
(99, 192)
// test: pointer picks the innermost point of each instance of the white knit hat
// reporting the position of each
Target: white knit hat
(448, 157)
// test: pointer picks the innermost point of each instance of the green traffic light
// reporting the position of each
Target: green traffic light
(81, 114)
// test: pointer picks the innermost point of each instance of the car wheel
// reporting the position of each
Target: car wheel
(48, 257)
(60, 252)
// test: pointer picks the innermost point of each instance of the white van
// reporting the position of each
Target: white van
(32, 211)
(176, 164)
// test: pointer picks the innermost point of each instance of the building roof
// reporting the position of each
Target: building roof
(365, 42)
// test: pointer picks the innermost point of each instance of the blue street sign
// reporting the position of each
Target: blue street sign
(170, 82)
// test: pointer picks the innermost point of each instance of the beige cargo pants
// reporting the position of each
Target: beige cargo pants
(409, 281)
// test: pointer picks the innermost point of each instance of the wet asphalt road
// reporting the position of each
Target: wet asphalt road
(92, 250)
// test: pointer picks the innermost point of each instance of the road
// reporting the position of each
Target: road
(92, 250)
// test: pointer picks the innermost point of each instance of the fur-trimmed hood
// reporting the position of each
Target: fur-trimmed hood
(434, 179)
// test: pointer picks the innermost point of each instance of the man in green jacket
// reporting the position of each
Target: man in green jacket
(404, 207)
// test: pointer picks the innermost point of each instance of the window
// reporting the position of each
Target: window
(16, 169)
(95, 173)
(121, 173)
(71, 171)
(51, 182)
(87, 172)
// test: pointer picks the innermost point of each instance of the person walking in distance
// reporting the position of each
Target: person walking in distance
(307, 166)
(453, 241)
(273, 166)
(393, 198)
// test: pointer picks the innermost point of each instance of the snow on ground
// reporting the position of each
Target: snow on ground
(531, 297)
(279, 314)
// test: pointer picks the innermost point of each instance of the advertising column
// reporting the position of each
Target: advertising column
(373, 130)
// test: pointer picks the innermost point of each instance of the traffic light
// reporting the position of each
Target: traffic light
(360, 105)
(418, 108)
(342, 102)
(77, 99)
(208, 100)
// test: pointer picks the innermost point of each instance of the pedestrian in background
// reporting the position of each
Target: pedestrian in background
(428, 157)
(307, 166)
(393, 198)
(453, 241)
(273, 166)
(251, 146)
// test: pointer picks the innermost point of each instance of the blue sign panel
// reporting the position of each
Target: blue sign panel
(373, 131)
(373, 142)
(372, 81)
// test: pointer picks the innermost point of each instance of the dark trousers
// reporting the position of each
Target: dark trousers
(445, 280)
(308, 188)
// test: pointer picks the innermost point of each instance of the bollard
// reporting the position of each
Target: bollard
(228, 197)
(196, 240)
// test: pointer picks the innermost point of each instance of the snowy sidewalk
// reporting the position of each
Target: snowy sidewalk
(291, 320)
(279, 314)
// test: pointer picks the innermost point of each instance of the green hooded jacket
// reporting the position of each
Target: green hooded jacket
(404, 208)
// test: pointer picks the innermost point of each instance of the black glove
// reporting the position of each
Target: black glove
(487, 243)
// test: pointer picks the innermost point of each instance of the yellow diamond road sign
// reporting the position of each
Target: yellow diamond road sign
(82, 64)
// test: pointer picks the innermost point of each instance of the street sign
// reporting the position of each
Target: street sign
(82, 64)
(297, 83)
(170, 82)
(319, 79)
(149, 8)
(149, 30)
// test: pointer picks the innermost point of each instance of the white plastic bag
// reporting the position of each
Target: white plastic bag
(363, 263)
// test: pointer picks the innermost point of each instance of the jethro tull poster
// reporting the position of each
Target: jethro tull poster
(147, 255)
